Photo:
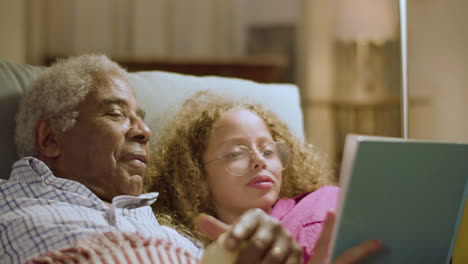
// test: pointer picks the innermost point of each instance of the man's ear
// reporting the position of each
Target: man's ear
(47, 139)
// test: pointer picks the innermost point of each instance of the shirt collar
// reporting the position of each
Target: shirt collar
(30, 170)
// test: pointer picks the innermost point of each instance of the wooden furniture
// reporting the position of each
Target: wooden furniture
(260, 69)
(373, 116)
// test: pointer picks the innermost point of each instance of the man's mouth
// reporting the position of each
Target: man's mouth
(137, 158)
(136, 163)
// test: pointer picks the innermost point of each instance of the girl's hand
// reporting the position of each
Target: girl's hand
(353, 255)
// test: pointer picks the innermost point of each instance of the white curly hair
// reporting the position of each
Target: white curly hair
(55, 93)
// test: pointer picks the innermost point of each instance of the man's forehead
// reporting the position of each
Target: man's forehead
(112, 89)
(108, 84)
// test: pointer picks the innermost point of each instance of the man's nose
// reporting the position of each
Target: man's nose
(139, 131)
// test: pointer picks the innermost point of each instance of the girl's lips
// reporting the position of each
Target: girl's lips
(261, 182)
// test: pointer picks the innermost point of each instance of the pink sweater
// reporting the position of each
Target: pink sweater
(304, 215)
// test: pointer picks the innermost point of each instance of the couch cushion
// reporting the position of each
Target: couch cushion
(159, 93)
(14, 79)
(162, 93)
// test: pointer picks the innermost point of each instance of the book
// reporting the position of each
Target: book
(409, 194)
(460, 251)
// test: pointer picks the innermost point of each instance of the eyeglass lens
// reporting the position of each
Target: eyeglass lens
(240, 159)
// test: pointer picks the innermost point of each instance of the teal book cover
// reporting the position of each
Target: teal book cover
(409, 194)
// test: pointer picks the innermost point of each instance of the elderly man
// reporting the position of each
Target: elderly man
(84, 145)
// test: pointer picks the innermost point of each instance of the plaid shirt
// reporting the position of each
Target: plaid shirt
(40, 212)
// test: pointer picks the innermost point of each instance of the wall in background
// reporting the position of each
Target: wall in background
(139, 28)
(438, 68)
(122, 28)
(315, 70)
(12, 31)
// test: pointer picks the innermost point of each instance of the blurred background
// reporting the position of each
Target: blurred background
(344, 55)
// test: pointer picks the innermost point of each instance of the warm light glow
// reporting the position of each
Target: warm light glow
(366, 21)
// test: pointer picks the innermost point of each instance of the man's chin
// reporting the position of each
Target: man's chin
(134, 167)
(134, 174)
(137, 184)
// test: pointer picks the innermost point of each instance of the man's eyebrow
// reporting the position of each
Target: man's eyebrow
(113, 100)
(123, 103)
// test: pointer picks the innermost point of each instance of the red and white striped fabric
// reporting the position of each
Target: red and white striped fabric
(117, 248)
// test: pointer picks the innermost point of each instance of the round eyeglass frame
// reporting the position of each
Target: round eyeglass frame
(285, 151)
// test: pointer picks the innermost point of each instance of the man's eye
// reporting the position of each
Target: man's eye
(115, 113)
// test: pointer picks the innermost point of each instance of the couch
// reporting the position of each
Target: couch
(159, 93)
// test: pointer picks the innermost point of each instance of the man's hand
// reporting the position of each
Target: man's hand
(353, 255)
(258, 237)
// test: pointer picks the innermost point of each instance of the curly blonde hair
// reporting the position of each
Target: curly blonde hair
(177, 170)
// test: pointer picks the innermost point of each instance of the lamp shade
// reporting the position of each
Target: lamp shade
(366, 21)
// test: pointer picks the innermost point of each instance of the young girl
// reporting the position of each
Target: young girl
(222, 157)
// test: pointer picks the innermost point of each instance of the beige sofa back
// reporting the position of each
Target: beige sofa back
(159, 93)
